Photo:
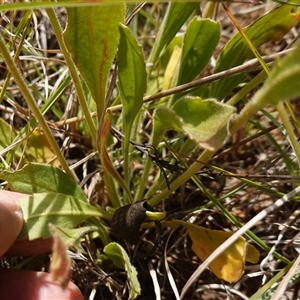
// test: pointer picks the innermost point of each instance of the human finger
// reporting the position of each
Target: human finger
(11, 221)
(28, 285)
(22, 247)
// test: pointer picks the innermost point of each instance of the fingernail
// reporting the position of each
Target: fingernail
(19, 213)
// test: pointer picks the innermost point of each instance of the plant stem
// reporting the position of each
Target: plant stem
(204, 157)
(247, 88)
(143, 181)
(250, 109)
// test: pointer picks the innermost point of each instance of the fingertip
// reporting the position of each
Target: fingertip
(11, 200)
(28, 285)
(11, 223)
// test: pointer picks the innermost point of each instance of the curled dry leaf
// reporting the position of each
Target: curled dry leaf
(228, 266)
(60, 267)
(127, 220)
(231, 263)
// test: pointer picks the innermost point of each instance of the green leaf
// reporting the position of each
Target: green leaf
(64, 211)
(132, 76)
(132, 84)
(283, 81)
(199, 43)
(270, 27)
(205, 121)
(73, 235)
(120, 258)
(92, 37)
(175, 17)
(39, 178)
(164, 119)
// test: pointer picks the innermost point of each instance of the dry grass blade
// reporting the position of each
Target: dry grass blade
(169, 273)
(155, 281)
(284, 283)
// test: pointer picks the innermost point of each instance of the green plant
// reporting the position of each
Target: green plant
(106, 66)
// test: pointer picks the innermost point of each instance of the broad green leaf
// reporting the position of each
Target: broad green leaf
(199, 43)
(283, 81)
(205, 121)
(73, 235)
(230, 264)
(164, 119)
(176, 15)
(132, 76)
(62, 210)
(39, 178)
(120, 258)
(270, 27)
(92, 38)
(132, 79)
